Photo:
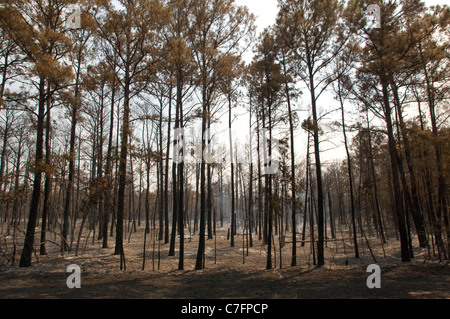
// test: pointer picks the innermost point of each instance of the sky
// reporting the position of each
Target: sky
(265, 12)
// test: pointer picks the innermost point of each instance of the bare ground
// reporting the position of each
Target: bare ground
(227, 273)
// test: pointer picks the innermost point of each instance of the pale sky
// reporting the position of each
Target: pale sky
(266, 10)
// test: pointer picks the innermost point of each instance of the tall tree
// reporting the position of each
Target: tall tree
(290, 94)
(78, 57)
(384, 56)
(178, 59)
(38, 30)
(268, 80)
(435, 71)
(314, 33)
(222, 32)
(341, 95)
(131, 28)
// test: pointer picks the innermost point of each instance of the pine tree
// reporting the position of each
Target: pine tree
(44, 43)
(314, 33)
(132, 33)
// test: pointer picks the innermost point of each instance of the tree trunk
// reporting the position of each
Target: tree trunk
(294, 200)
(48, 179)
(441, 207)
(161, 179)
(25, 259)
(233, 213)
(108, 167)
(416, 211)
(305, 210)
(399, 208)
(166, 173)
(372, 171)
(199, 264)
(174, 188)
(118, 250)
(320, 197)
(181, 180)
(350, 174)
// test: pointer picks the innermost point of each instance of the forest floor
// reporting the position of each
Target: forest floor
(228, 273)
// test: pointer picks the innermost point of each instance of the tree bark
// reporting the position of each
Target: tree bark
(118, 250)
(25, 259)
(415, 205)
(394, 158)
(320, 197)
(48, 179)
(350, 174)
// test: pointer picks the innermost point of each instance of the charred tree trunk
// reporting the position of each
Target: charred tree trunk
(48, 179)
(350, 174)
(25, 259)
(394, 159)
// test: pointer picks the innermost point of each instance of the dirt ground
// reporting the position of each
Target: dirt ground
(227, 273)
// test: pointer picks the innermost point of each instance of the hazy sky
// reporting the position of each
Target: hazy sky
(266, 10)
